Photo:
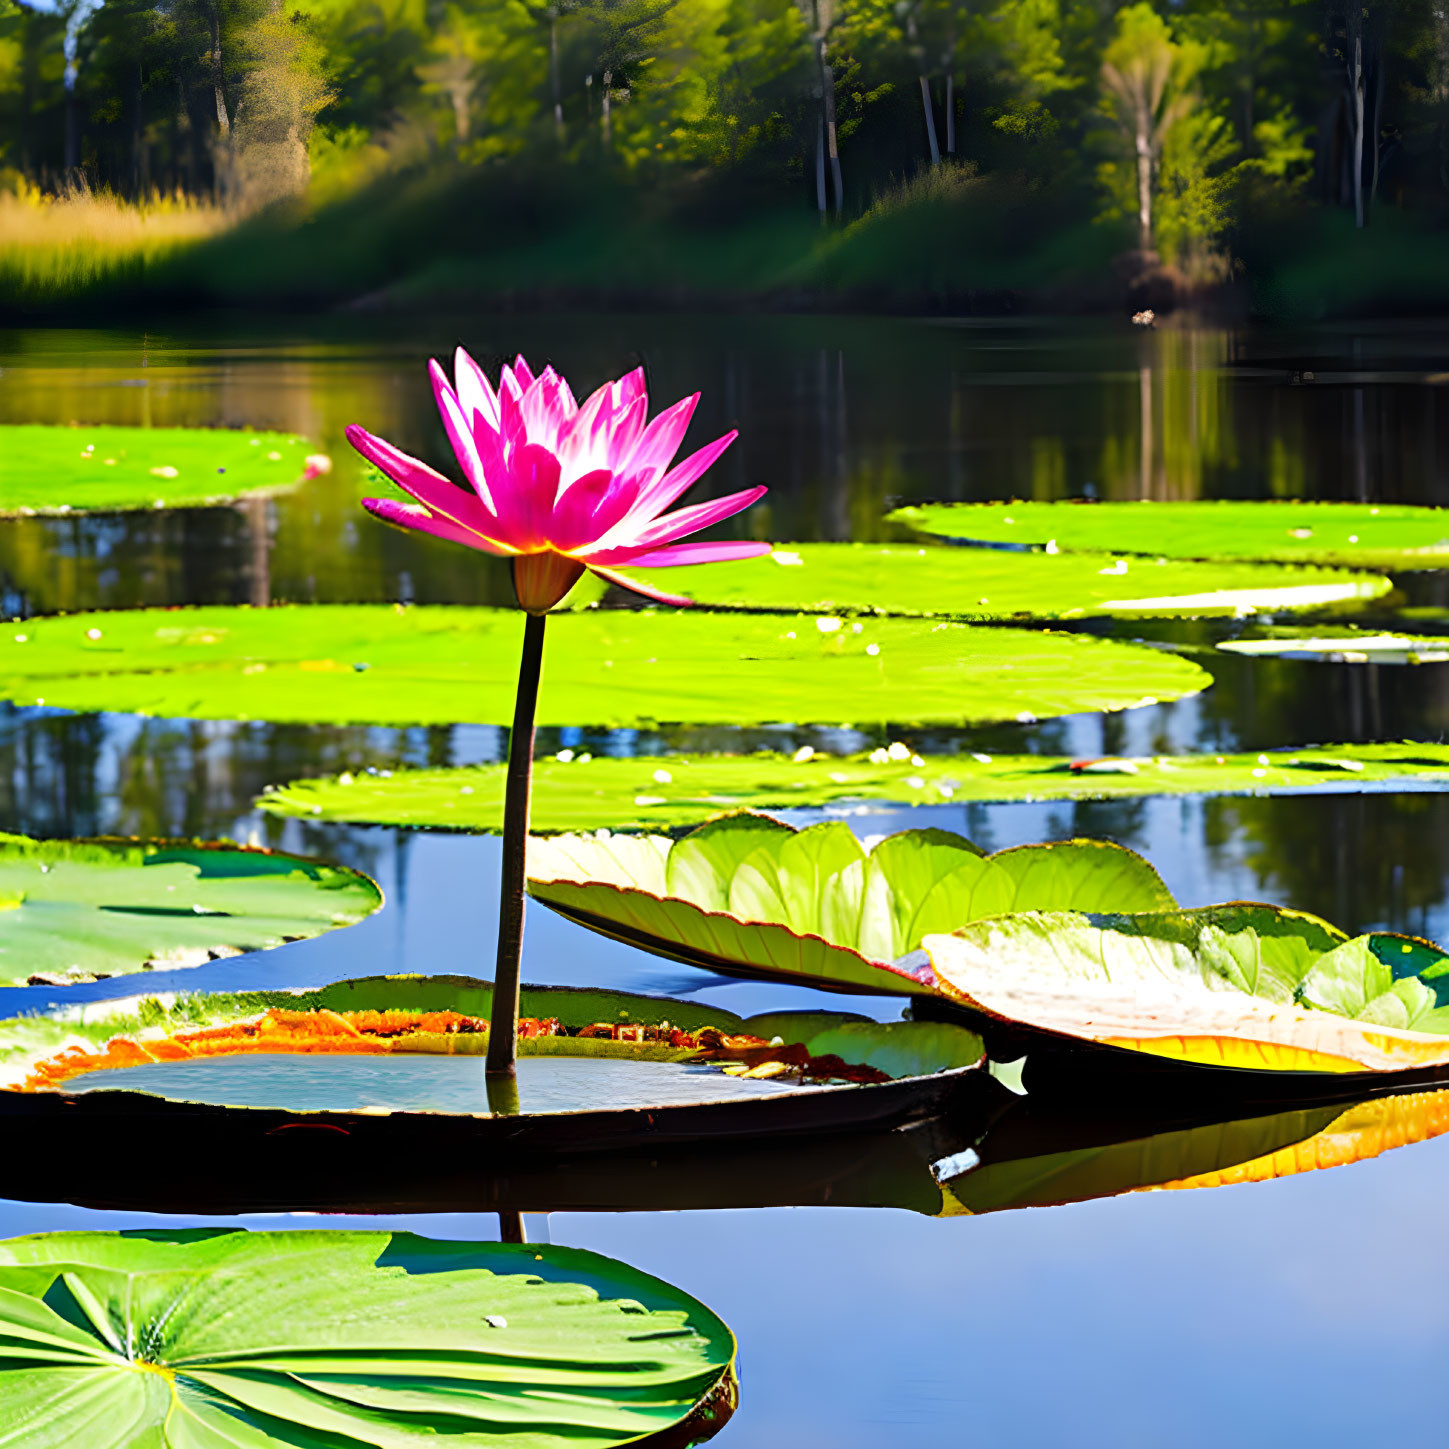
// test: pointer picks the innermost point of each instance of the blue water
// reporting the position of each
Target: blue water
(1313, 1310)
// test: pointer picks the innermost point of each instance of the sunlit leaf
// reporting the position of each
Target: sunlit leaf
(1238, 985)
(373, 664)
(84, 908)
(876, 578)
(1373, 535)
(205, 1339)
(667, 790)
(66, 470)
(812, 905)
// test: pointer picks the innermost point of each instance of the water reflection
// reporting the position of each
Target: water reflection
(842, 417)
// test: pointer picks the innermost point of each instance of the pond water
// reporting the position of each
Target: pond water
(1266, 1313)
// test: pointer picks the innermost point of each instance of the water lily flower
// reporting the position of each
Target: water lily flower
(560, 486)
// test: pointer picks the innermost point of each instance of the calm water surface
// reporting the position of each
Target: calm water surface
(1306, 1310)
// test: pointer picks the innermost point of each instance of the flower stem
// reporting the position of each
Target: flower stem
(503, 1026)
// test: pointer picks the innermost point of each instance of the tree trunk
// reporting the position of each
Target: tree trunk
(1356, 112)
(138, 160)
(553, 80)
(72, 130)
(608, 121)
(820, 164)
(950, 113)
(926, 107)
(832, 150)
(223, 120)
(1374, 131)
(1144, 184)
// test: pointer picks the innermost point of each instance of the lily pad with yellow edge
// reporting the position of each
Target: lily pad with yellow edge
(1242, 985)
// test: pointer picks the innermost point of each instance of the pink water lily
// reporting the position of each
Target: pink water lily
(560, 486)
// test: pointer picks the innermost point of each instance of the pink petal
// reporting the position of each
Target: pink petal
(544, 410)
(475, 392)
(523, 372)
(628, 387)
(624, 435)
(656, 498)
(683, 553)
(459, 428)
(636, 586)
(533, 487)
(439, 494)
(662, 438)
(589, 507)
(699, 515)
(409, 515)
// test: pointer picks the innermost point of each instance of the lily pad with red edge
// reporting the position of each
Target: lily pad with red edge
(371, 1092)
(57, 470)
(241, 1340)
(1245, 986)
(747, 895)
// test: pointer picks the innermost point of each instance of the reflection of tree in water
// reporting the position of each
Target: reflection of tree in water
(1267, 703)
(1360, 861)
(49, 775)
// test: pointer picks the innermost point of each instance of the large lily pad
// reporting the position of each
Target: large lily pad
(373, 664)
(47, 469)
(992, 584)
(328, 1100)
(750, 896)
(170, 1048)
(1348, 647)
(1249, 986)
(1371, 535)
(574, 792)
(84, 908)
(238, 1340)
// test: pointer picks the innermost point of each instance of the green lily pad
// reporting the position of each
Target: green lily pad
(1242, 985)
(77, 909)
(992, 584)
(69, 470)
(597, 792)
(374, 664)
(1345, 648)
(209, 1340)
(750, 896)
(1370, 535)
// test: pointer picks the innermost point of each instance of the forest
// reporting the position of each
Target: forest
(1287, 156)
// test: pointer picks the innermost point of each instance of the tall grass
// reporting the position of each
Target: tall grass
(53, 245)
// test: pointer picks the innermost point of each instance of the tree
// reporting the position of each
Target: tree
(1143, 74)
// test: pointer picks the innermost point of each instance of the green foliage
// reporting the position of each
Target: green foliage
(87, 908)
(750, 897)
(66, 470)
(662, 792)
(702, 118)
(393, 665)
(202, 1338)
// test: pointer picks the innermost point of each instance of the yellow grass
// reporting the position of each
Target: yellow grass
(54, 244)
